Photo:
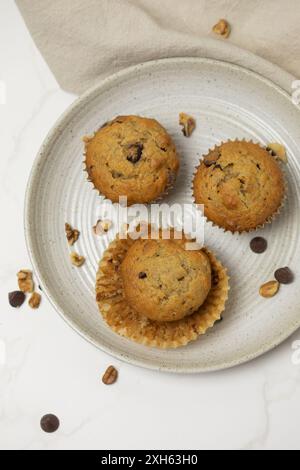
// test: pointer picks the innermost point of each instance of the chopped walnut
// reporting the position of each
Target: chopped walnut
(76, 259)
(212, 158)
(277, 150)
(35, 300)
(269, 289)
(25, 280)
(102, 227)
(222, 28)
(72, 234)
(188, 124)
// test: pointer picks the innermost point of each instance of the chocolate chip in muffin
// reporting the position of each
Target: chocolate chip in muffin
(142, 275)
(16, 298)
(258, 245)
(215, 278)
(49, 423)
(284, 275)
(134, 152)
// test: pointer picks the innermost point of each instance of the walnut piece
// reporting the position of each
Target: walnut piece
(222, 28)
(269, 289)
(188, 124)
(25, 280)
(35, 300)
(72, 234)
(102, 227)
(212, 158)
(277, 150)
(110, 375)
(76, 259)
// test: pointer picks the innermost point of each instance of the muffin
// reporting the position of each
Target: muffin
(157, 293)
(240, 185)
(131, 156)
(163, 281)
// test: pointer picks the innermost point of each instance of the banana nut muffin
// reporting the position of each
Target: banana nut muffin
(240, 185)
(164, 281)
(131, 156)
(154, 292)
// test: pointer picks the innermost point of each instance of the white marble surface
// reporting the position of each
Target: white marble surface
(49, 368)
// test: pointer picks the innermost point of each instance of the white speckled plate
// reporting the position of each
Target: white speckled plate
(228, 102)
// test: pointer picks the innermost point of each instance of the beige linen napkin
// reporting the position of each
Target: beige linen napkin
(86, 40)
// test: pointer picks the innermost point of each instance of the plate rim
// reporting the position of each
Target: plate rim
(42, 152)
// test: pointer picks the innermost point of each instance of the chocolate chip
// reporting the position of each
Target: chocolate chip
(134, 152)
(209, 163)
(49, 423)
(284, 276)
(40, 288)
(215, 279)
(258, 245)
(142, 275)
(16, 298)
(116, 174)
(268, 149)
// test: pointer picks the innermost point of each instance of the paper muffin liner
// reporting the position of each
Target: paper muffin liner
(171, 177)
(125, 321)
(272, 217)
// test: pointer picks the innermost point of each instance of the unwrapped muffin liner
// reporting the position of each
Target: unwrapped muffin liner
(125, 321)
(270, 218)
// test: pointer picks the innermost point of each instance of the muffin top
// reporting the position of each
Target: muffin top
(240, 184)
(131, 156)
(163, 281)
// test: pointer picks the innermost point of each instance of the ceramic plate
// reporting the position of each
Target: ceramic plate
(228, 102)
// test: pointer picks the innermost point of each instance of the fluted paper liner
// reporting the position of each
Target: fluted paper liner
(125, 321)
(172, 175)
(271, 218)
